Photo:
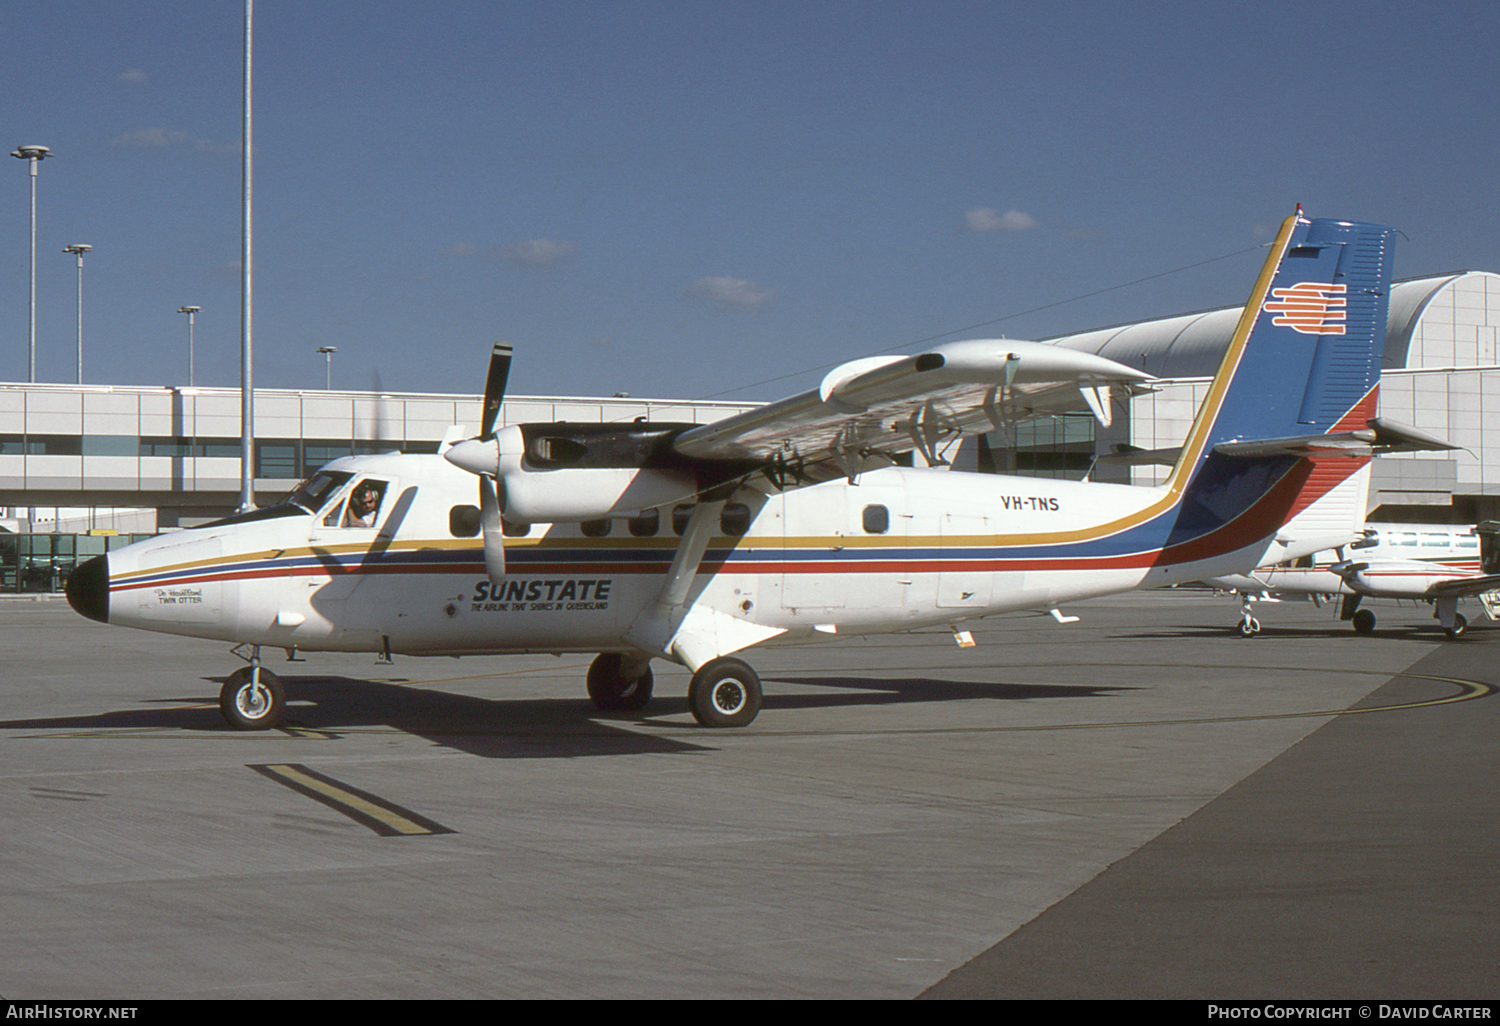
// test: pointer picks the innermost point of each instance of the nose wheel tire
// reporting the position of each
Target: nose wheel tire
(1363, 621)
(252, 699)
(609, 689)
(724, 693)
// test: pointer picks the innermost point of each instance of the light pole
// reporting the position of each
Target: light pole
(247, 276)
(190, 310)
(328, 352)
(33, 155)
(78, 249)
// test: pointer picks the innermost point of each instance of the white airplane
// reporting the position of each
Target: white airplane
(791, 522)
(1436, 563)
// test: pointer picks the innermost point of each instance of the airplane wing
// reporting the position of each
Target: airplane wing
(1463, 586)
(883, 406)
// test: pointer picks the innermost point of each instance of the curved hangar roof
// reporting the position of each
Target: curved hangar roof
(1190, 345)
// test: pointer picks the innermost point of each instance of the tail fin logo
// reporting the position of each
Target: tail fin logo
(1310, 307)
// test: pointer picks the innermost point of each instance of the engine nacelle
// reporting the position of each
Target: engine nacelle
(590, 493)
(1395, 578)
(557, 473)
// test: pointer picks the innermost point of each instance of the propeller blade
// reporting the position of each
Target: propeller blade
(494, 388)
(494, 534)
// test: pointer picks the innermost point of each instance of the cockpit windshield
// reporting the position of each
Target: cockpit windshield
(308, 497)
(312, 493)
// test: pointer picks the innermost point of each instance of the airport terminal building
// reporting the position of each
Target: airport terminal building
(136, 459)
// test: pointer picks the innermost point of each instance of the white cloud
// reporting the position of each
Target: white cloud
(531, 253)
(151, 137)
(538, 252)
(155, 138)
(135, 76)
(732, 291)
(987, 219)
(222, 149)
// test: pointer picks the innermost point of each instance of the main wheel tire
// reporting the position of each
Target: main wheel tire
(724, 692)
(1363, 621)
(1460, 623)
(252, 700)
(609, 689)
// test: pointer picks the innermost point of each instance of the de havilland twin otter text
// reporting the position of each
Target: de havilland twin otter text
(791, 522)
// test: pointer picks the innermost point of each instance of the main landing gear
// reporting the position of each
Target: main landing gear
(616, 683)
(725, 692)
(253, 698)
(1363, 621)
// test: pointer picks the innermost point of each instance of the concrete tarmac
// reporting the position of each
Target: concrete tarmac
(1138, 804)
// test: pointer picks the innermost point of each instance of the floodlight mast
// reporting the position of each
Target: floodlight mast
(328, 352)
(247, 264)
(190, 311)
(33, 155)
(78, 249)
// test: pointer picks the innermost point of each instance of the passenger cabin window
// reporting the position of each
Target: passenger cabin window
(877, 520)
(680, 517)
(645, 524)
(594, 528)
(511, 529)
(735, 519)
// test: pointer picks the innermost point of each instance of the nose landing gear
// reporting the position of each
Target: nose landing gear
(253, 697)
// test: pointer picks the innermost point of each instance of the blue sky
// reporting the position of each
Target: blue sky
(681, 199)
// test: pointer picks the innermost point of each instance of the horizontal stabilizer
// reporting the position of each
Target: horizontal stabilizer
(1382, 436)
(1351, 444)
(1134, 456)
(1393, 437)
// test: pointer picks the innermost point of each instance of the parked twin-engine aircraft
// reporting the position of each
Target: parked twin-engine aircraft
(1436, 563)
(791, 522)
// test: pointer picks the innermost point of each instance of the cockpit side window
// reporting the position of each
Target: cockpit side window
(359, 506)
(363, 507)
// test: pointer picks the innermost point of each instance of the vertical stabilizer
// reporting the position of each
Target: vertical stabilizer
(1305, 356)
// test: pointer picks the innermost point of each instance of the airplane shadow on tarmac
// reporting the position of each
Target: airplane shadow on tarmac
(332, 707)
(862, 691)
(1415, 630)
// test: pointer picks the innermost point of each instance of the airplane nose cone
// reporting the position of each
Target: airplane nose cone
(88, 589)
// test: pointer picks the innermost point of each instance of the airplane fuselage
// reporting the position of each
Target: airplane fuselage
(1404, 561)
(894, 549)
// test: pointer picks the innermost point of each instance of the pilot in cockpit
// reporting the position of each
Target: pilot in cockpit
(364, 504)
